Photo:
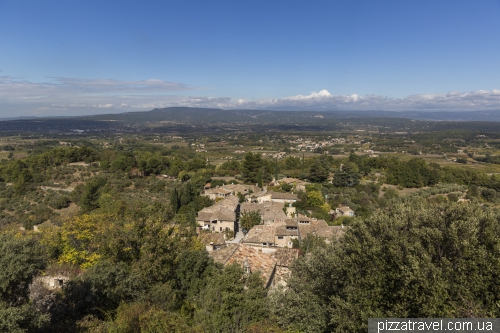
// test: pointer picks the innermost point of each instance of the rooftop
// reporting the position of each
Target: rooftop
(268, 210)
(222, 255)
(260, 234)
(257, 260)
(283, 231)
(216, 212)
(317, 227)
(345, 209)
(283, 196)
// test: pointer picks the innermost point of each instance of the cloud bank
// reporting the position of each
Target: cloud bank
(70, 96)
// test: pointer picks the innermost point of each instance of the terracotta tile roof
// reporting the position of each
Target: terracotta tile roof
(258, 261)
(223, 254)
(274, 213)
(225, 214)
(316, 227)
(275, 262)
(260, 234)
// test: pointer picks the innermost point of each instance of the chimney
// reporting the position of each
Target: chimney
(246, 266)
(210, 247)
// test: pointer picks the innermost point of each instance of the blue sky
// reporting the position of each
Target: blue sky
(87, 57)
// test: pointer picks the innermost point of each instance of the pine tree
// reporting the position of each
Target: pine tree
(174, 201)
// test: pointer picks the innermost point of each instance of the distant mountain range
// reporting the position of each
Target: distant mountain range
(202, 115)
(184, 119)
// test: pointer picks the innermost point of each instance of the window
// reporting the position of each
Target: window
(280, 237)
(220, 228)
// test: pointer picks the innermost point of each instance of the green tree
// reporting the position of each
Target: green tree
(315, 199)
(250, 219)
(231, 301)
(259, 178)
(347, 175)
(292, 162)
(21, 258)
(90, 196)
(473, 191)
(410, 261)
(21, 319)
(286, 187)
(252, 167)
(175, 201)
(391, 193)
(318, 173)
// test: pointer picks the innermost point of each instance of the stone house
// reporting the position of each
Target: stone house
(282, 233)
(319, 228)
(220, 217)
(227, 190)
(238, 188)
(285, 234)
(217, 193)
(344, 211)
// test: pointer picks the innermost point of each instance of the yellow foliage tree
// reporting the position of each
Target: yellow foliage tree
(75, 242)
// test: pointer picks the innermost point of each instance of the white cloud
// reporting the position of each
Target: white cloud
(314, 95)
(70, 96)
